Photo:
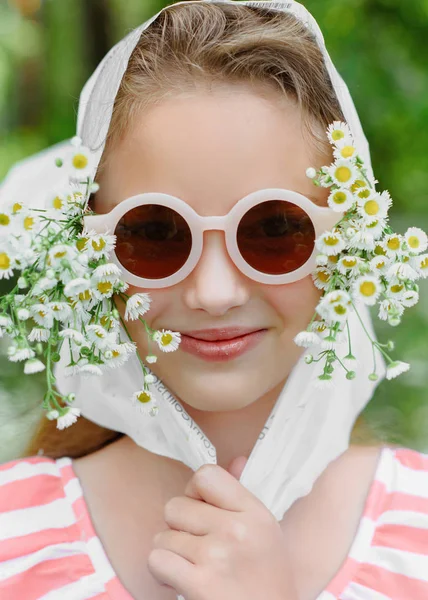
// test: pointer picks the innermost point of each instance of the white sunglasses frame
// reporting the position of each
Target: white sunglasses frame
(323, 219)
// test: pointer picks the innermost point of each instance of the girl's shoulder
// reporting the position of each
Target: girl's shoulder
(389, 551)
(45, 542)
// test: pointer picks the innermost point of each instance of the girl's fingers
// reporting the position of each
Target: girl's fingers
(173, 570)
(192, 516)
(181, 543)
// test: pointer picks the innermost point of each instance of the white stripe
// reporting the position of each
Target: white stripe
(100, 560)
(54, 515)
(24, 470)
(405, 479)
(63, 462)
(355, 591)
(409, 518)
(363, 539)
(401, 562)
(325, 596)
(14, 566)
(73, 491)
(82, 589)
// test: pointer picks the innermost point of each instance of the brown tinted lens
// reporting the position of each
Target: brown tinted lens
(276, 237)
(153, 241)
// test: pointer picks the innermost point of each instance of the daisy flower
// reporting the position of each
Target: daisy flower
(321, 277)
(33, 366)
(151, 359)
(361, 240)
(109, 271)
(77, 286)
(167, 340)
(59, 253)
(7, 263)
(393, 245)
(68, 418)
(410, 298)
(19, 354)
(416, 239)
(81, 161)
(136, 306)
(367, 288)
(72, 334)
(335, 306)
(100, 245)
(100, 337)
(330, 243)
(375, 228)
(372, 208)
(339, 132)
(344, 149)
(348, 264)
(379, 264)
(395, 289)
(42, 315)
(390, 307)
(420, 263)
(311, 173)
(144, 400)
(396, 368)
(89, 369)
(61, 311)
(341, 200)
(402, 270)
(119, 355)
(38, 335)
(344, 173)
(306, 339)
(149, 378)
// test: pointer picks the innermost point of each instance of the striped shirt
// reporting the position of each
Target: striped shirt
(49, 549)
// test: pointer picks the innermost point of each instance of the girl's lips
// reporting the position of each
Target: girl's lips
(221, 350)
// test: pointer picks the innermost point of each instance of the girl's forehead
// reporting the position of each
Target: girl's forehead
(211, 150)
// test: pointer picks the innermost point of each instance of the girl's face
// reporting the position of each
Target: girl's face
(211, 149)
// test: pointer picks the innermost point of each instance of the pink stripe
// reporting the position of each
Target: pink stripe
(412, 459)
(30, 492)
(117, 591)
(393, 585)
(27, 544)
(46, 576)
(402, 537)
(404, 501)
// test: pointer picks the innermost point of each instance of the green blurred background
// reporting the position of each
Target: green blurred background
(48, 48)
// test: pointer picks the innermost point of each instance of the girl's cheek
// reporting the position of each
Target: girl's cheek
(293, 301)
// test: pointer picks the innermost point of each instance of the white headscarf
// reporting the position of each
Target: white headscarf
(307, 427)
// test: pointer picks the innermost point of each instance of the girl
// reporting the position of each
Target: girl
(245, 488)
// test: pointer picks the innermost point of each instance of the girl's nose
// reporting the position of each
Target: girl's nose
(216, 285)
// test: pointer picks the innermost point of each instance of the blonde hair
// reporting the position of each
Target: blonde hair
(199, 44)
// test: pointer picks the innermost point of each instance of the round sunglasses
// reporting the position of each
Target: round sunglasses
(270, 236)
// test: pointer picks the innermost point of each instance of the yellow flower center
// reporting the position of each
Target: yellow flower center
(57, 202)
(28, 223)
(371, 207)
(321, 328)
(115, 353)
(380, 264)
(379, 251)
(367, 288)
(106, 322)
(337, 135)
(413, 241)
(4, 261)
(340, 309)
(81, 244)
(396, 289)
(41, 313)
(365, 193)
(98, 246)
(86, 295)
(331, 240)
(323, 276)
(393, 243)
(343, 174)
(4, 219)
(60, 254)
(347, 151)
(166, 339)
(16, 207)
(359, 183)
(104, 287)
(79, 161)
(333, 259)
(339, 198)
(349, 262)
(372, 225)
(424, 263)
(143, 397)
(100, 334)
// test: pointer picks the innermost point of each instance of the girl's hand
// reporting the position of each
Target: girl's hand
(222, 542)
